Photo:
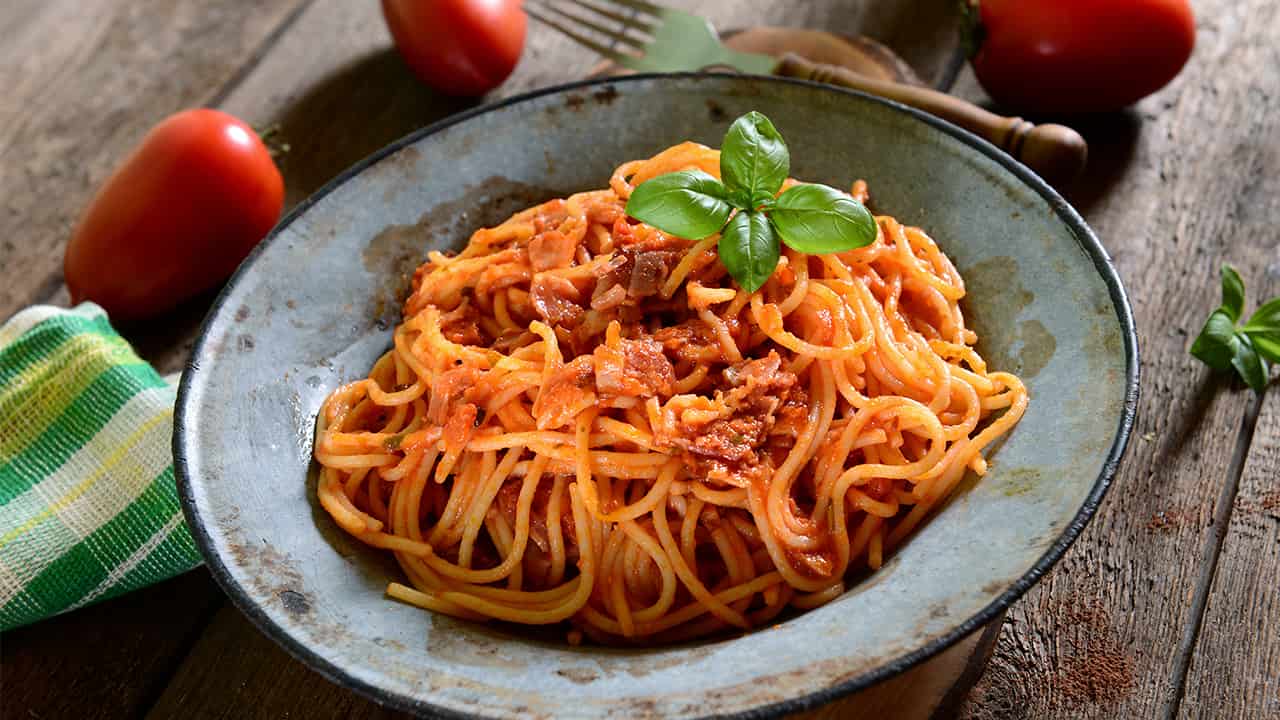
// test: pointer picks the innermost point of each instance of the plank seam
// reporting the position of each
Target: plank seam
(156, 690)
(152, 693)
(222, 93)
(975, 667)
(1209, 557)
(47, 291)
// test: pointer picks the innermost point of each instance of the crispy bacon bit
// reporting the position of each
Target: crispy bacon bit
(551, 249)
(569, 391)
(605, 214)
(462, 325)
(646, 238)
(511, 339)
(648, 274)
(615, 272)
(498, 276)
(623, 232)
(550, 214)
(722, 436)
(460, 427)
(691, 341)
(761, 379)
(555, 299)
(732, 437)
(609, 299)
(791, 418)
(634, 369)
(447, 388)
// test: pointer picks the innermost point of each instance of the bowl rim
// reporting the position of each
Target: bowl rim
(334, 673)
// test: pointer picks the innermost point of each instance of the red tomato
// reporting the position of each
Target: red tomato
(461, 47)
(1080, 55)
(176, 218)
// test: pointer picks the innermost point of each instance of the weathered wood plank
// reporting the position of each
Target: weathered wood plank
(1235, 670)
(83, 83)
(237, 672)
(333, 90)
(1173, 190)
(108, 660)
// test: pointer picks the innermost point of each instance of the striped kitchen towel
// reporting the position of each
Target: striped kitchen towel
(88, 508)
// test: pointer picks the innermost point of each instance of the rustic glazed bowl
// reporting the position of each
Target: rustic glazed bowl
(315, 305)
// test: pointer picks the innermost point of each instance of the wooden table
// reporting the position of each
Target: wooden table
(1167, 606)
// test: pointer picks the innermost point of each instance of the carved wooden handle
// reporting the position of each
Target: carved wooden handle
(1055, 152)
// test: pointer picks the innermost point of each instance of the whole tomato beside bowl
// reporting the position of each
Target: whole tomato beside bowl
(460, 47)
(1076, 56)
(176, 218)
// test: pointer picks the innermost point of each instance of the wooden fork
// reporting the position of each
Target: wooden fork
(645, 37)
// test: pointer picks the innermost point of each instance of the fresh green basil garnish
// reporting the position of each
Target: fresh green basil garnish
(818, 219)
(1222, 345)
(748, 244)
(754, 163)
(1218, 342)
(753, 157)
(1232, 293)
(689, 203)
(1265, 323)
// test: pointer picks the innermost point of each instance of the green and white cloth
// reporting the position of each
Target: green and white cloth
(88, 507)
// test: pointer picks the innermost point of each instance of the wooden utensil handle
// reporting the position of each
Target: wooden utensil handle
(1055, 152)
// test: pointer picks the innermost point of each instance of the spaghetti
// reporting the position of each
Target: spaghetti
(584, 420)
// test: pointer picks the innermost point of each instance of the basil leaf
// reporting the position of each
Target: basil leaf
(1217, 342)
(689, 203)
(762, 199)
(1232, 293)
(1265, 320)
(748, 249)
(740, 199)
(753, 156)
(1267, 346)
(1250, 366)
(818, 219)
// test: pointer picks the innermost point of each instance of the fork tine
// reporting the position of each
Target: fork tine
(605, 52)
(616, 35)
(642, 6)
(627, 20)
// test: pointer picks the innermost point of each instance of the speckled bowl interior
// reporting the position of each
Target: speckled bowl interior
(315, 305)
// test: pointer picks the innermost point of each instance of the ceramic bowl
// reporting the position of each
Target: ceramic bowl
(315, 305)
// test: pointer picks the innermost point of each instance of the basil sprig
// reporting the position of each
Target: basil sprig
(754, 162)
(1223, 344)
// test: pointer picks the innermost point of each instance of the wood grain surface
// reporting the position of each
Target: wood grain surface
(1166, 606)
(83, 81)
(1235, 669)
(1102, 635)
